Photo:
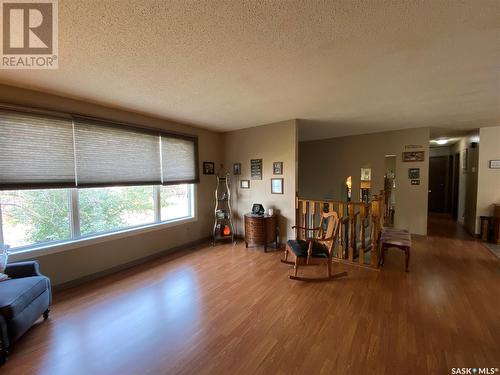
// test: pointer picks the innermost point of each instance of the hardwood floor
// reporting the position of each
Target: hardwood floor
(231, 310)
(443, 225)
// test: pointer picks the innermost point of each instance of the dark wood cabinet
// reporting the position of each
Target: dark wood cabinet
(496, 224)
(260, 230)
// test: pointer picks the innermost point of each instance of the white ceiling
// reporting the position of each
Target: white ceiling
(344, 67)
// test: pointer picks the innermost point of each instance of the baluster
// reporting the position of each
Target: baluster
(362, 215)
(376, 231)
(312, 213)
(351, 238)
(340, 251)
(304, 219)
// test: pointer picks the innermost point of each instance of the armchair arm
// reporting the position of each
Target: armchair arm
(4, 340)
(23, 269)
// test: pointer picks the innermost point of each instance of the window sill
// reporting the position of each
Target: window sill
(35, 252)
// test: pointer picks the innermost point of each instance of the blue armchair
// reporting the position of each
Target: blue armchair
(23, 299)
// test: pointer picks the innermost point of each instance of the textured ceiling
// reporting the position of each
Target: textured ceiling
(343, 67)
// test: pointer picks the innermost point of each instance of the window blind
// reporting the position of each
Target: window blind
(35, 151)
(108, 154)
(179, 159)
(43, 151)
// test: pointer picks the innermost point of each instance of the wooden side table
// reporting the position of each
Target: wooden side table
(260, 230)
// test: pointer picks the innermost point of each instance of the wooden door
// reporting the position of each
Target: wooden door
(455, 185)
(438, 168)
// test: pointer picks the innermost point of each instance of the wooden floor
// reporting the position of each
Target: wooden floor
(231, 310)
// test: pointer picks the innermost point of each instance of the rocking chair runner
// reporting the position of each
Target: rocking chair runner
(315, 250)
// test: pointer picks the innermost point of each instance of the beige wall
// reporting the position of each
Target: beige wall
(325, 164)
(488, 179)
(273, 142)
(86, 260)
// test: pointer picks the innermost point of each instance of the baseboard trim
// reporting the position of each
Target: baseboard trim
(125, 266)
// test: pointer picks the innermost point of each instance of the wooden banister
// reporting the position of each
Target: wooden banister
(360, 225)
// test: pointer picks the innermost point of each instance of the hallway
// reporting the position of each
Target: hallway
(443, 225)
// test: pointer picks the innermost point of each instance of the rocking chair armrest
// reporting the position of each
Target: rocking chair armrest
(297, 227)
(321, 239)
(309, 239)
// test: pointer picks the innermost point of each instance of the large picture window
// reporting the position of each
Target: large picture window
(34, 218)
(64, 177)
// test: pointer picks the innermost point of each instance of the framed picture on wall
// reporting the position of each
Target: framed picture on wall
(245, 184)
(256, 169)
(237, 169)
(413, 173)
(278, 167)
(494, 164)
(208, 167)
(465, 158)
(366, 174)
(276, 186)
(409, 156)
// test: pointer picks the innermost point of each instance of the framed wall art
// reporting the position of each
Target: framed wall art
(278, 167)
(494, 164)
(413, 173)
(256, 169)
(366, 174)
(208, 167)
(276, 186)
(409, 156)
(465, 158)
(237, 169)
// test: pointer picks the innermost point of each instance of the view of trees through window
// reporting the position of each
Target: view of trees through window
(175, 202)
(34, 216)
(31, 217)
(112, 208)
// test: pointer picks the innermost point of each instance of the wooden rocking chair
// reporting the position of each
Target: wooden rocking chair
(314, 250)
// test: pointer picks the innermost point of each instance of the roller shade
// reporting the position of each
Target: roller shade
(38, 150)
(35, 151)
(179, 159)
(108, 154)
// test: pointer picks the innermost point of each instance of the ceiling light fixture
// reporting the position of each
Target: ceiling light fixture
(442, 141)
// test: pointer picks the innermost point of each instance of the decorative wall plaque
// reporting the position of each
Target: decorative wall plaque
(495, 164)
(256, 169)
(413, 156)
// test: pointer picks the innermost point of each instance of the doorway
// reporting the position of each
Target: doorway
(390, 188)
(438, 183)
(455, 165)
(444, 180)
